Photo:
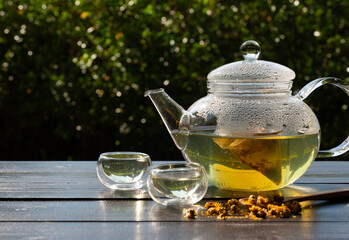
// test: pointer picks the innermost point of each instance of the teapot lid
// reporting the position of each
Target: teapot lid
(251, 68)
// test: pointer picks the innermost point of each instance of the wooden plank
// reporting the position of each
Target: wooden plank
(145, 210)
(62, 218)
(326, 172)
(318, 167)
(174, 230)
(72, 191)
(289, 191)
(334, 171)
(77, 180)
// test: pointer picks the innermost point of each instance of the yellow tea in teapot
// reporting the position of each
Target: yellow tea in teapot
(251, 163)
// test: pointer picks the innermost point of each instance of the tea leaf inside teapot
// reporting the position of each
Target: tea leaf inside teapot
(262, 155)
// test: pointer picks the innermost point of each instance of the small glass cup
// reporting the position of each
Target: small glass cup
(177, 183)
(123, 170)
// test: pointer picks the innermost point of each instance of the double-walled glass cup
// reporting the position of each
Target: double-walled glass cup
(177, 183)
(123, 170)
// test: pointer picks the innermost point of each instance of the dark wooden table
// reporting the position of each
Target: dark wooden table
(65, 200)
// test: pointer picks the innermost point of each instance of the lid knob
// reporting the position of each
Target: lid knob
(250, 50)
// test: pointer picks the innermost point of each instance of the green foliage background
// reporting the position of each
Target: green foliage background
(73, 73)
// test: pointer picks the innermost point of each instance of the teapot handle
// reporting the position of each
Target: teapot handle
(309, 88)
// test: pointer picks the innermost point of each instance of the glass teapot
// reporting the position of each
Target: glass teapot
(249, 132)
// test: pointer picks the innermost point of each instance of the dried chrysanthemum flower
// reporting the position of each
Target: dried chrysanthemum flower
(256, 208)
(279, 211)
(257, 211)
(234, 209)
(190, 213)
(262, 202)
(213, 204)
(294, 206)
(252, 199)
(233, 201)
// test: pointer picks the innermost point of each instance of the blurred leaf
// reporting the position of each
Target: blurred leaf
(73, 73)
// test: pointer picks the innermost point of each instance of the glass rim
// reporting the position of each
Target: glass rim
(124, 155)
(176, 166)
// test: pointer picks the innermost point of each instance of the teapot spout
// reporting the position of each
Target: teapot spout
(172, 114)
